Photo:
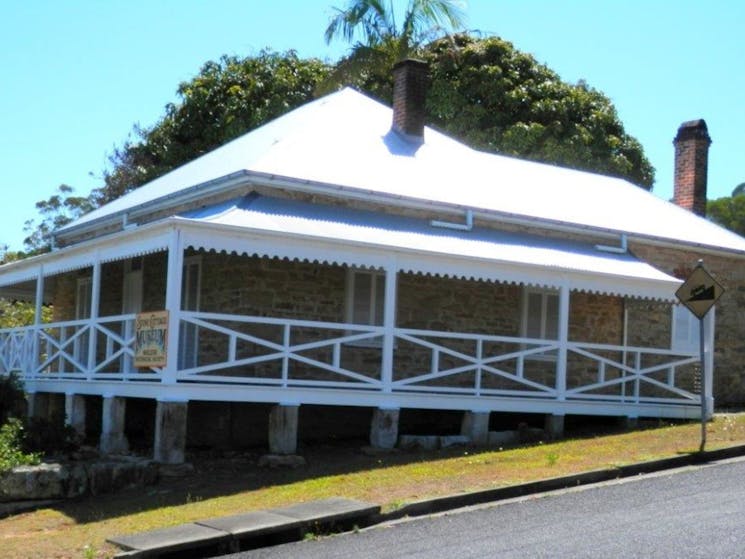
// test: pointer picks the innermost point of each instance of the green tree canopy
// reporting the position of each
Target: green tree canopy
(381, 41)
(58, 210)
(483, 91)
(227, 98)
(375, 21)
(729, 212)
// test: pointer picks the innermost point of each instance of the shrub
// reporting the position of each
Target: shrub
(11, 396)
(11, 447)
(49, 437)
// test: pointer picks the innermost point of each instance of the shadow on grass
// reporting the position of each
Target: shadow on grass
(238, 472)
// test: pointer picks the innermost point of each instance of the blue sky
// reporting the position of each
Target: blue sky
(77, 75)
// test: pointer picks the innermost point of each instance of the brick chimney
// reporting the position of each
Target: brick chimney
(410, 79)
(691, 165)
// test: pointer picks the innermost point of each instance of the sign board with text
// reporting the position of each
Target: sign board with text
(151, 339)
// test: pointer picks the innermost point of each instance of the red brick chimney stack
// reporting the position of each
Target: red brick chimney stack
(691, 166)
(410, 79)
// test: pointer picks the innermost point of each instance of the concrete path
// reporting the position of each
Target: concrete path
(216, 536)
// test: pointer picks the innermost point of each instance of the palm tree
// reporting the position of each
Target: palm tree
(381, 41)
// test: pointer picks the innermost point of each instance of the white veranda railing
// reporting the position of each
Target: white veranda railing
(250, 350)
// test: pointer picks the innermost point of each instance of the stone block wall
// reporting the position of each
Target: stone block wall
(729, 343)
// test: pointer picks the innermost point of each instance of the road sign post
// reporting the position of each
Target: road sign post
(698, 293)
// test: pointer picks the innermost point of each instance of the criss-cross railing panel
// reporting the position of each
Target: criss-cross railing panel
(285, 352)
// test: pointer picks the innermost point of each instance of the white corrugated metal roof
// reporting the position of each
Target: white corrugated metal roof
(344, 139)
(259, 213)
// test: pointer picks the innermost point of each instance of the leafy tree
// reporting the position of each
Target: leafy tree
(483, 91)
(496, 98)
(226, 99)
(56, 211)
(381, 41)
(729, 211)
(376, 22)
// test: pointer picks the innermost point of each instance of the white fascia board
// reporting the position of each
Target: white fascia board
(116, 246)
(246, 178)
(494, 216)
(196, 192)
(246, 240)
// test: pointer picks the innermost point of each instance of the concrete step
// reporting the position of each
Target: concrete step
(247, 531)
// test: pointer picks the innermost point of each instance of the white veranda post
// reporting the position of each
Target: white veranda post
(39, 302)
(561, 362)
(389, 324)
(173, 303)
(95, 299)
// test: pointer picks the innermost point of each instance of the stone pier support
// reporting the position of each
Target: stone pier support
(554, 427)
(384, 428)
(75, 413)
(170, 432)
(37, 405)
(283, 429)
(475, 426)
(113, 438)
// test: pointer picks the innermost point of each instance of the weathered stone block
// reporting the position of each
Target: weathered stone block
(45, 481)
(384, 428)
(283, 429)
(111, 476)
(170, 432)
(475, 426)
(423, 442)
(454, 440)
(499, 438)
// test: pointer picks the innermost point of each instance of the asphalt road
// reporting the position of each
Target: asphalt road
(691, 512)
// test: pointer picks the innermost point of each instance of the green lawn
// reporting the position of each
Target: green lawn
(230, 486)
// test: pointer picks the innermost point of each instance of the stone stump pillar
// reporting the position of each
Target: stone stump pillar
(554, 427)
(37, 405)
(113, 438)
(170, 432)
(475, 426)
(384, 428)
(283, 429)
(75, 413)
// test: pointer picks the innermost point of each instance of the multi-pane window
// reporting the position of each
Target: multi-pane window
(188, 332)
(83, 305)
(686, 328)
(541, 314)
(365, 297)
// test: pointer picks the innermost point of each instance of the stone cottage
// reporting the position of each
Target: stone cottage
(346, 257)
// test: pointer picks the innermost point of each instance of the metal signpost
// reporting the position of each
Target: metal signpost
(699, 293)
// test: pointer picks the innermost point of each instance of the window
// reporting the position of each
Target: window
(131, 303)
(541, 314)
(685, 330)
(188, 332)
(365, 297)
(83, 305)
(541, 319)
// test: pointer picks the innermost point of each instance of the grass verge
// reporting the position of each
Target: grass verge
(230, 486)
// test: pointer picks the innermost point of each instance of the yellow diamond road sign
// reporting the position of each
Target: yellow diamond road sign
(699, 292)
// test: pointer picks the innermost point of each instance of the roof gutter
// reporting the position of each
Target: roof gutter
(241, 179)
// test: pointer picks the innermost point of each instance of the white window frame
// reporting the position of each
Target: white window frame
(132, 297)
(690, 340)
(545, 295)
(189, 352)
(376, 277)
(83, 310)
